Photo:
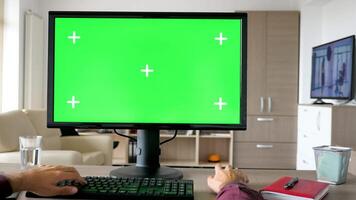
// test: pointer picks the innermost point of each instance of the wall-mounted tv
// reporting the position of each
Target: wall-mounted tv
(332, 70)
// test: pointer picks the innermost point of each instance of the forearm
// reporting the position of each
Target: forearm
(229, 192)
(237, 192)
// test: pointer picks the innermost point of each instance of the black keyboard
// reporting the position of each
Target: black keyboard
(99, 187)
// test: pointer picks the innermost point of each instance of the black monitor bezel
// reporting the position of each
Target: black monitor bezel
(352, 71)
(182, 15)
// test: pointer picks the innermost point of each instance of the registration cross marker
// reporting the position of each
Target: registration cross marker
(221, 39)
(220, 103)
(73, 102)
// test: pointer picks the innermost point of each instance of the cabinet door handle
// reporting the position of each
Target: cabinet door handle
(261, 104)
(265, 119)
(264, 146)
(269, 104)
(318, 121)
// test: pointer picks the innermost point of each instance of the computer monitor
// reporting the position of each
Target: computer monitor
(332, 70)
(147, 71)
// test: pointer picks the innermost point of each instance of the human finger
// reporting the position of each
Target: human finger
(67, 190)
(210, 178)
(241, 176)
(218, 167)
(70, 176)
(65, 168)
(228, 167)
(213, 185)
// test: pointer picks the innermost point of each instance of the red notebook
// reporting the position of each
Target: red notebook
(303, 190)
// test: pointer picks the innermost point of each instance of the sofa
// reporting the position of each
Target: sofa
(68, 150)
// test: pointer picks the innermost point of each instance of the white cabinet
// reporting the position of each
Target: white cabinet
(323, 125)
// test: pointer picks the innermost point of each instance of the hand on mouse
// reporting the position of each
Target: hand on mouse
(224, 177)
(43, 180)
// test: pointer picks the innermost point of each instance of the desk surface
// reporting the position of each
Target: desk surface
(258, 179)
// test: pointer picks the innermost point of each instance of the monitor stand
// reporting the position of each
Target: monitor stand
(320, 101)
(147, 164)
(68, 131)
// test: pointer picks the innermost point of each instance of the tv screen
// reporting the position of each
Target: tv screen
(165, 70)
(332, 67)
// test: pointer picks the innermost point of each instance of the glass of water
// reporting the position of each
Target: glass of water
(30, 150)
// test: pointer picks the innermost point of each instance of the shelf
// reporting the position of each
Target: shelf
(227, 136)
(178, 136)
(180, 163)
(209, 164)
(189, 150)
(169, 136)
(176, 163)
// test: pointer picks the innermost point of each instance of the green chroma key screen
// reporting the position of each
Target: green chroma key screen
(147, 70)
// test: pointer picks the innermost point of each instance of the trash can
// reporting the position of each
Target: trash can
(332, 163)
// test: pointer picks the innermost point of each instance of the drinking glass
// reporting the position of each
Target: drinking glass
(30, 150)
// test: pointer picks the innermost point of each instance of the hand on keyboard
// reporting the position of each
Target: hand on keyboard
(42, 180)
(130, 188)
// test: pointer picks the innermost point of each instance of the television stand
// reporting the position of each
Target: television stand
(147, 164)
(321, 102)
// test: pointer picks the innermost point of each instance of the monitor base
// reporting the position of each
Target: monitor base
(68, 131)
(146, 172)
(147, 160)
(321, 102)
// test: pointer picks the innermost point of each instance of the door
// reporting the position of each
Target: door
(256, 63)
(282, 62)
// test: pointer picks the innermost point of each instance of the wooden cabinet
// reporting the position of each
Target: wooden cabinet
(256, 62)
(272, 91)
(272, 64)
(282, 49)
(323, 125)
(269, 142)
(266, 155)
(269, 129)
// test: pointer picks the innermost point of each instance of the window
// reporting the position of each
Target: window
(1, 45)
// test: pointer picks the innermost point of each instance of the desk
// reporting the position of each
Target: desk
(258, 179)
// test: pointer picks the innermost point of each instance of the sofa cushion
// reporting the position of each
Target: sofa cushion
(47, 157)
(61, 157)
(12, 125)
(93, 158)
(51, 140)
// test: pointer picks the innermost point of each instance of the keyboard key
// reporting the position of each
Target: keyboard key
(129, 188)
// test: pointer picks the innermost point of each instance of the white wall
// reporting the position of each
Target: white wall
(25, 6)
(14, 62)
(1, 46)
(13, 54)
(322, 21)
(170, 5)
(10, 68)
(162, 5)
(339, 19)
(310, 35)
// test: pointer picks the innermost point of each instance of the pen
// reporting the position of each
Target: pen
(291, 183)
